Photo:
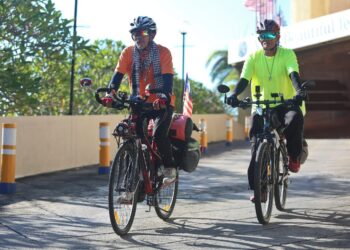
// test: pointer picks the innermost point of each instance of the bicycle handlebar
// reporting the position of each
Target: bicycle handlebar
(124, 101)
(304, 87)
(247, 101)
(97, 94)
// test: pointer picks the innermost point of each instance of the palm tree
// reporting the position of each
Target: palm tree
(221, 71)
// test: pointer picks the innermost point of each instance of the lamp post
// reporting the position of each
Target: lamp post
(183, 33)
(73, 59)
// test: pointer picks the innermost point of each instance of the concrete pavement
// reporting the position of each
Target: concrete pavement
(69, 209)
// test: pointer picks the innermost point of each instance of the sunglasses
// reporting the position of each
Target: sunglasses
(267, 36)
(139, 33)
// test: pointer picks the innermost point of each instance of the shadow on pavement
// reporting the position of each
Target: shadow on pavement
(44, 211)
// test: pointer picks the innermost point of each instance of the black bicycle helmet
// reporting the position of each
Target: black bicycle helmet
(268, 26)
(143, 23)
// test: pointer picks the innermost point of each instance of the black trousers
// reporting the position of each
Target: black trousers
(292, 121)
(162, 120)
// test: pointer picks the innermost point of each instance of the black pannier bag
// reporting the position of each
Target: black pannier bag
(186, 154)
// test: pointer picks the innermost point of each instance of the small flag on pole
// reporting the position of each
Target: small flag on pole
(261, 6)
(187, 99)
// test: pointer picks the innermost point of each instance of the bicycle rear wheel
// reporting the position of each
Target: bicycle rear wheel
(165, 199)
(281, 183)
(123, 189)
(263, 184)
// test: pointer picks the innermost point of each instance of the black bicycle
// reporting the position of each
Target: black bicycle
(271, 176)
(136, 170)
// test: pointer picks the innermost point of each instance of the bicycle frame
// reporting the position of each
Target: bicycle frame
(134, 170)
(148, 169)
(269, 145)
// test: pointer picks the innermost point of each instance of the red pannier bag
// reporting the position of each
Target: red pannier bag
(181, 127)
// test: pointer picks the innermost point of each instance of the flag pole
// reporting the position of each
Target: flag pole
(183, 70)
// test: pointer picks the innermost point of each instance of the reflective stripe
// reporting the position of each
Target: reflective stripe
(104, 143)
(8, 147)
(9, 136)
(104, 132)
(8, 152)
(9, 125)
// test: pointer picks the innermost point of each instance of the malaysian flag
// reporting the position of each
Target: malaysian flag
(187, 98)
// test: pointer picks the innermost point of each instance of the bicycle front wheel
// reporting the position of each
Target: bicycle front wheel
(165, 199)
(263, 183)
(281, 183)
(123, 188)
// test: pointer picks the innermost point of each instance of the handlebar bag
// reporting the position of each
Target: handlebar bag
(181, 127)
(186, 154)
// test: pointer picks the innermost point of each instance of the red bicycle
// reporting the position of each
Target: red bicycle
(136, 172)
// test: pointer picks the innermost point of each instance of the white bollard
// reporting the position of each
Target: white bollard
(104, 148)
(8, 159)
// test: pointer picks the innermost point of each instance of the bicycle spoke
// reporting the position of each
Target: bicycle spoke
(281, 184)
(122, 192)
(165, 199)
(263, 184)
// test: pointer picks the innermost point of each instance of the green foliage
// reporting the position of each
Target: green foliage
(35, 64)
(204, 100)
(99, 65)
(221, 72)
(35, 45)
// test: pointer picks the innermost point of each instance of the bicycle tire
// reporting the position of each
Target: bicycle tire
(281, 182)
(165, 199)
(123, 179)
(263, 182)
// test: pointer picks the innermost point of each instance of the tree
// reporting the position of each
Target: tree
(35, 45)
(35, 59)
(98, 64)
(221, 72)
(204, 100)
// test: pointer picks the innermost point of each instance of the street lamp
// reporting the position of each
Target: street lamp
(183, 33)
(73, 59)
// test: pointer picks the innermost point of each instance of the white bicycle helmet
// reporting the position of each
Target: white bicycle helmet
(143, 23)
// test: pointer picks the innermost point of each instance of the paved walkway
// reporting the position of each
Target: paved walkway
(68, 209)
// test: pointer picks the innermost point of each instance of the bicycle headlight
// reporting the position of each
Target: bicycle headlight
(122, 129)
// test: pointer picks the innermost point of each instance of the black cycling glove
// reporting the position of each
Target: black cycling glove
(233, 101)
(300, 97)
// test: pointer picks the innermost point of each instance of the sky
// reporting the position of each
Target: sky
(210, 25)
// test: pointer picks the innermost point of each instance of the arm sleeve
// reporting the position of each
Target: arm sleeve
(168, 83)
(240, 87)
(294, 76)
(167, 69)
(115, 81)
